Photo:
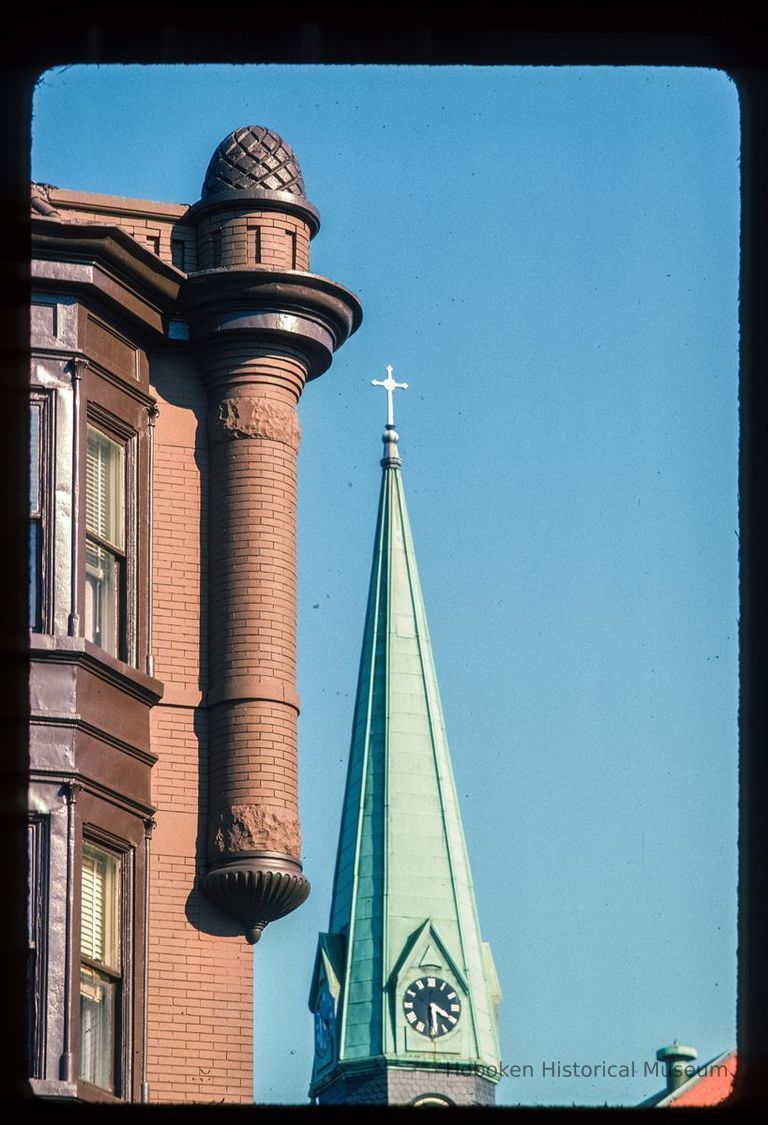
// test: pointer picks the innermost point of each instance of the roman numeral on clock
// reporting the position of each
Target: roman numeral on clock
(425, 1004)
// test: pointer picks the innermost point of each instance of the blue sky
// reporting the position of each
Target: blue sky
(549, 257)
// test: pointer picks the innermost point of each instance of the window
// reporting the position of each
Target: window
(105, 562)
(292, 243)
(35, 516)
(100, 967)
(37, 927)
(41, 410)
(215, 248)
(178, 253)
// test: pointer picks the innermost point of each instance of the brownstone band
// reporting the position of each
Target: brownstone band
(249, 416)
(253, 688)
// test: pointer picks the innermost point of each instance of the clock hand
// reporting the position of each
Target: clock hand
(440, 1011)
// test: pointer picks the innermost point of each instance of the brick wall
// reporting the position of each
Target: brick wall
(245, 238)
(200, 1039)
(157, 226)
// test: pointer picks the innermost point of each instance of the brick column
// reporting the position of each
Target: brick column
(261, 328)
(253, 831)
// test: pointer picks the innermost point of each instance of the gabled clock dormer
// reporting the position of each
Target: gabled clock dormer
(324, 998)
(430, 1002)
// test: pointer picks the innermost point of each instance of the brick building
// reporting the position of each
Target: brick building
(170, 346)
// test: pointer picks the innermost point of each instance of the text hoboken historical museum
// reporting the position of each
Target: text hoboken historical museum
(556, 1069)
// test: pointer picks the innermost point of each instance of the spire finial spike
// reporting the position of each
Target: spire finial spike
(389, 385)
(390, 436)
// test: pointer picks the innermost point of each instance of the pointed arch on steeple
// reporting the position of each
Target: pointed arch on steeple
(328, 967)
(426, 940)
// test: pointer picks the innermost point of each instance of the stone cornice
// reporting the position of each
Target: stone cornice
(95, 788)
(77, 355)
(310, 313)
(125, 273)
(258, 199)
(68, 201)
(44, 648)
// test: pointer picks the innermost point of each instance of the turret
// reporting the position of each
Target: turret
(262, 325)
(677, 1060)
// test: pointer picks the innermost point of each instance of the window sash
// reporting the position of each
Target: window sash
(100, 960)
(103, 596)
(105, 563)
(98, 1011)
(36, 575)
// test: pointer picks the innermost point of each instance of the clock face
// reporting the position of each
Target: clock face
(431, 1006)
(325, 1023)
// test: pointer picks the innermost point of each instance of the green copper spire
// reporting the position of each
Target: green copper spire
(403, 983)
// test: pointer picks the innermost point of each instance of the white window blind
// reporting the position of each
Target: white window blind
(105, 540)
(104, 488)
(98, 907)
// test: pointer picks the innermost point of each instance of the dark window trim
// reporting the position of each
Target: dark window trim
(37, 938)
(99, 966)
(44, 516)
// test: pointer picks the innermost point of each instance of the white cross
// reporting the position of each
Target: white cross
(389, 385)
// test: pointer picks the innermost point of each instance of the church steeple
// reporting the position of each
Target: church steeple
(404, 990)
